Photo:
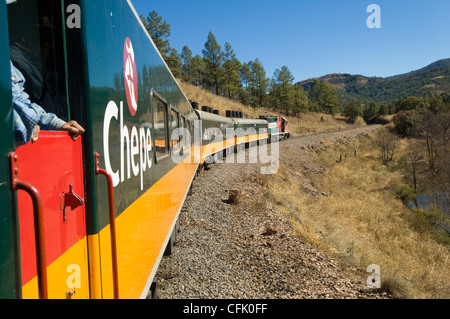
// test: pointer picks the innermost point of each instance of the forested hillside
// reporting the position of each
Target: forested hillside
(434, 78)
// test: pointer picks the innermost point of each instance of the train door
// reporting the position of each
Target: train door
(9, 272)
(284, 128)
(53, 257)
(54, 166)
(283, 124)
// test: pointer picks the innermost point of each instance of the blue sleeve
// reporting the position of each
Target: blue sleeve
(49, 121)
(26, 114)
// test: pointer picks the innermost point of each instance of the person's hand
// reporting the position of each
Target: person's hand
(73, 128)
(36, 131)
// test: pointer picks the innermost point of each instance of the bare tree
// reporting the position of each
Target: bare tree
(433, 130)
(440, 182)
(387, 142)
(427, 131)
(443, 127)
(414, 162)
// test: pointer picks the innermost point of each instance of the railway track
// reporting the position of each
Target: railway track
(251, 250)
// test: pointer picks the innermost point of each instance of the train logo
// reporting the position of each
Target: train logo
(130, 75)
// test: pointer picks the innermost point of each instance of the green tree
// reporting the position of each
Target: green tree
(301, 102)
(213, 58)
(352, 110)
(282, 90)
(404, 122)
(323, 98)
(314, 96)
(384, 110)
(411, 103)
(245, 74)
(231, 77)
(445, 97)
(186, 64)
(371, 112)
(198, 71)
(173, 61)
(159, 31)
(258, 83)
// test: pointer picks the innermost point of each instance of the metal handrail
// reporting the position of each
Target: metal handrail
(38, 217)
(112, 222)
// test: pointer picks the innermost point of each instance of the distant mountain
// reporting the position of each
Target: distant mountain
(434, 77)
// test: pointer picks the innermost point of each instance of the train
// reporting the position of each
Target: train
(277, 125)
(242, 132)
(92, 218)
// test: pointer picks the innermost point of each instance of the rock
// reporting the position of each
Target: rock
(235, 197)
(270, 230)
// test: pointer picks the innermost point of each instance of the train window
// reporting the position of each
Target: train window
(182, 121)
(185, 123)
(174, 123)
(271, 119)
(191, 130)
(182, 125)
(37, 49)
(160, 126)
(197, 132)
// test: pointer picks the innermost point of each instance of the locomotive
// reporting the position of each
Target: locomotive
(278, 125)
(92, 218)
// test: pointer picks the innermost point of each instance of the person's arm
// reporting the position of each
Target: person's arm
(50, 122)
(30, 118)
(25, 122)
(73, 128)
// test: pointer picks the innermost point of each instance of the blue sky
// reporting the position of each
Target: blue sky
(314, 38)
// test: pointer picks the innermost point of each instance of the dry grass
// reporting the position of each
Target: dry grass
(362, 221)
(304, 124)
(220, 103)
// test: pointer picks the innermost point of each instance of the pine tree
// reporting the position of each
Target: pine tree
(384, 110)
(213, 58)
(371, 112)
(231, 66)
(301, 103)
(323, 98)
(198, 71)
(314, 96)
(352, 110)
(159, 31)
(245, 74)
(330, 99)
(282, 90)
(173, 60)
(186, 64)
(258, 83)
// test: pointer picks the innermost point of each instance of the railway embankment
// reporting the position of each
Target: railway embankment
(253, 249)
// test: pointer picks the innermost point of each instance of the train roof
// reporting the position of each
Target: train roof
(231, 120)
(269, 117)
(250, 121)
(213, 117)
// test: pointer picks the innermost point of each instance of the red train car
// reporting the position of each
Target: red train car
(278, 126)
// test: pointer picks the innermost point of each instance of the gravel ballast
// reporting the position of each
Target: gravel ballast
(250, 250)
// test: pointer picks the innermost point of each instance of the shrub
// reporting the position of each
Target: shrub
(387, 143)
(404, 122)
(405, 193)
(351, 111)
